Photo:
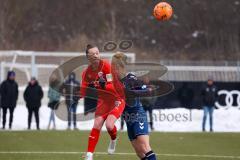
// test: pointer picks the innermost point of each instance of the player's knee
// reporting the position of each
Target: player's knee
(109, 126)
(98, 125)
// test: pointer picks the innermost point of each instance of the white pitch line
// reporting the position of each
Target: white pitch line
(130, 154)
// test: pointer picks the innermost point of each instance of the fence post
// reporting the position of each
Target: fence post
(2, 71)
(33, 66)
(238, 69)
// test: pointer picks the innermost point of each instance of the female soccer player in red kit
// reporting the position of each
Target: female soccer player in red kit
(110, 104)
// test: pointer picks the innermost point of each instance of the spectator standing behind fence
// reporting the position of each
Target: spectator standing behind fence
(71, 90)
(209, 96)
(33, 95)
(9, 96)
(54, 98)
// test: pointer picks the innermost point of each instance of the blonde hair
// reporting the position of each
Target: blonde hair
(119, 61)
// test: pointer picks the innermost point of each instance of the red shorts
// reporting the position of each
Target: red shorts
(114, 108)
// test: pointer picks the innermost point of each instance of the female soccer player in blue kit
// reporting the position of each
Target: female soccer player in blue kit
(134, 114)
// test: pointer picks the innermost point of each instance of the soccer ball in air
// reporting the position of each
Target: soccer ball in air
(163, 11)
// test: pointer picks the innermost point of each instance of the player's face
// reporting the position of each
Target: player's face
(93, 55)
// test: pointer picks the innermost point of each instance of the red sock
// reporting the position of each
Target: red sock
(113, 133)
(93, 139)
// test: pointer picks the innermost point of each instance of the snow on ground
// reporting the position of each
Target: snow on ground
(177, 120)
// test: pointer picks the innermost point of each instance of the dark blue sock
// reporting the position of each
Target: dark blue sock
(150, 156)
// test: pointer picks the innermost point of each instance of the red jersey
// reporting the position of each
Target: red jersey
(90, 76)
(106, 97)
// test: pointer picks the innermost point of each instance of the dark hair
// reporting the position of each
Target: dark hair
(89, 46)
(11, 73)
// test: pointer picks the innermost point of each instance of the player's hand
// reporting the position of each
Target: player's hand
(102, 82)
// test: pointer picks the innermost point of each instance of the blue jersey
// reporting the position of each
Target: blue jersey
(134, 114)
(133, 89)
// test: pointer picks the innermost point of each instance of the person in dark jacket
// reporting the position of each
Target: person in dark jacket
(71, 90)
(209, 96)
(9, 96)
(33, 95)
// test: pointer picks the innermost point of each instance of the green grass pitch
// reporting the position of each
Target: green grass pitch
(69, 145)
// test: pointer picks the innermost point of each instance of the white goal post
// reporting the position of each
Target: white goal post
(40, 65)
(31, 67)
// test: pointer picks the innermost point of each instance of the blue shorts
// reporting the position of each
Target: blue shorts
(137, 124)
